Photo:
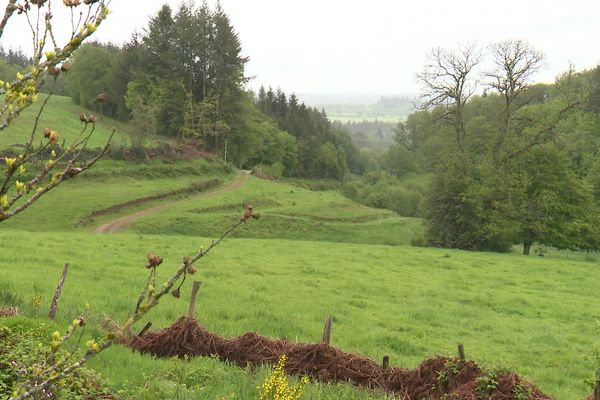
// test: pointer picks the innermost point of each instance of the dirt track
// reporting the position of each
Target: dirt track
(121, 223)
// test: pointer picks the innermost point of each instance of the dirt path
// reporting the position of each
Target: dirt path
(121, 223)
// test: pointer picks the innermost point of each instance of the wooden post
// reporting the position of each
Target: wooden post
(386, 362)
(597, 388)
(145, 328)
(461, 352)
(195, 288)
(57, 293)
(327, 330)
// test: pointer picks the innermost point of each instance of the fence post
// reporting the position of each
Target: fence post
(145, 328)
(327, 330)
(195, 288)
(461, 352)
(386, 362)
(57, 293)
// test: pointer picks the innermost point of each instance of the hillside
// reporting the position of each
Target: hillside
(61, 114)
(532, 315)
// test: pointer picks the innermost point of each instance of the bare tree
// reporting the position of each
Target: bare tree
(448, 83)
(515, 62)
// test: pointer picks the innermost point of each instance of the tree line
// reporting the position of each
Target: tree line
(511, 162)
(183, 76)
(323, 150)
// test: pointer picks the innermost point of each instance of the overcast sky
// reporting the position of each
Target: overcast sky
(374, 47)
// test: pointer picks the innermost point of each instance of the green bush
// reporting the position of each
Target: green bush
(404, 196)
(26, 351)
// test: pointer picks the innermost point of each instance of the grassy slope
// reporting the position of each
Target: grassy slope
(61, 114)
(533, 314)
(110, 183)
(288, 212)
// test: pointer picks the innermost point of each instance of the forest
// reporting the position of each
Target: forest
(183, 77)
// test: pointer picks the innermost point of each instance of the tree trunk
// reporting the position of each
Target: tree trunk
(526, 248)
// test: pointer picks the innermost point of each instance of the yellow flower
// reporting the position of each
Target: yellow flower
(10, 162)
(19, 185)
(277, 387)
(56, 178)
(22, 169)
(93, 346)
(50, 55)
(56, 335)
(20, 76)
(4, 202)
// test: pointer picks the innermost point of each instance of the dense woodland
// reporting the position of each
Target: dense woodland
(491, 160)
(516, 164)
(183, 77)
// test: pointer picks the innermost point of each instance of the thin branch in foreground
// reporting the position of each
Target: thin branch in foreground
(52, 376)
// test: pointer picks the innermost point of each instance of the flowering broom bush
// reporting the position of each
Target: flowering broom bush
(277, 386)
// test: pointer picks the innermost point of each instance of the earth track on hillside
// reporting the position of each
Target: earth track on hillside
(121, 223)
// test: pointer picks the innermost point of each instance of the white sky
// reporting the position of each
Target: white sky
(373, 47)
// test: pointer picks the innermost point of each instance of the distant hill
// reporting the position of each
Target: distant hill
(359, 108)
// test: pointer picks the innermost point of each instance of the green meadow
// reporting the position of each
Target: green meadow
(310, 255)
(62, 115)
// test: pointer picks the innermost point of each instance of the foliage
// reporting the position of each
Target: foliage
(323, 150)
(26, 353)
(91, 75)
(487, 383)
(405, 196)
(193, 50)
(510, 165)
(143, 122)
(450, 369)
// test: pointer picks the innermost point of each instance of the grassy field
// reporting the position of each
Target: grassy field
(289, 212)
(62, 114)
(69, 207)
(533, 315)
(283, 274)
